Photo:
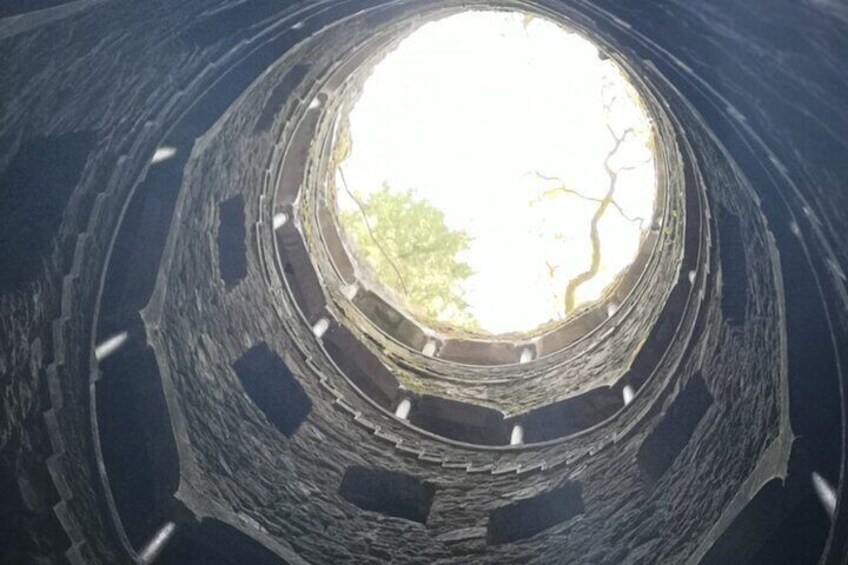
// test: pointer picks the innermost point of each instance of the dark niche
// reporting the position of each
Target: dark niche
(273, 389)
(734, 268)
(232, 254)
(525, 518)
(668, 439)
(389, 493)
(459, 421)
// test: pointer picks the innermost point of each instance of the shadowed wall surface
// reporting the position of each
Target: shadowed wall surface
(223, 413)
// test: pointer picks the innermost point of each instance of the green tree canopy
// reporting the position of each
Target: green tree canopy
(406, 242)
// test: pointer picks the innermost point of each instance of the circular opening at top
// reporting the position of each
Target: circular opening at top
(495, 174)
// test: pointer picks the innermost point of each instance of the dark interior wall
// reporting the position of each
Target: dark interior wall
(35, 187)
(214, 543)
(84, 105)
(88, 99)
(19, 7)
(136, 442)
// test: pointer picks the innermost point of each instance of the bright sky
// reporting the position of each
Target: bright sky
(467, 111)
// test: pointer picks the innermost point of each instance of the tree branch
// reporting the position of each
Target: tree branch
(371, 233)
(594, 266)
(563, 189)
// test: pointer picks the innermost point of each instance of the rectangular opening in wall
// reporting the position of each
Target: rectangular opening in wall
(273, 389)
(460, 421)
(388, 492)
(570, 415)
(525, 518)
(232, 255)
(136, 441)
(361, 366)
(669, 438)
(299, 272)
(134, 263)
(734, 268)
(279, 96)
(388, 319)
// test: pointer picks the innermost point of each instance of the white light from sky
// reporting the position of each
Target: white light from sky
(472, 111)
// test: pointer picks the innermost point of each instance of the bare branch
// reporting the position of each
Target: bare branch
(565, 190)
(594, 266)
(371, 233)
(603, 204)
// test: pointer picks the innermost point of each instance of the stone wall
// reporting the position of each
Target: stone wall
(756, 91)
